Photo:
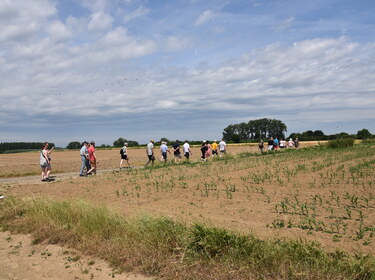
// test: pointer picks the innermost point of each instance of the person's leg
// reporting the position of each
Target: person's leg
(121, 162)
(48, 172)
(43, 173)
(83, 165)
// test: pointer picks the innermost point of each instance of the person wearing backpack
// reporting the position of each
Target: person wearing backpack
(124, 155)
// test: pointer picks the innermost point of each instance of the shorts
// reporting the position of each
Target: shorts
(187, 155)
(164, 155)
(151, 157)
(223, 151)
(177, 155)
(124, 156)
(214, 152)
(46, 165)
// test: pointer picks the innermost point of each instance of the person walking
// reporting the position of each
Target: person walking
(261, 145)
(204, 149)
(150, 153)
(214, 148)
(164, 150)
(93, 159)
(176, 151)
(124, 154)
(187, 151)
(222, 147)
(270, 144)
(208, 152)
(296, 143)
(85, 158)
(45, 162)
(290, 143)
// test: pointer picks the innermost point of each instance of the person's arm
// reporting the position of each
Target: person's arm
(51, 150)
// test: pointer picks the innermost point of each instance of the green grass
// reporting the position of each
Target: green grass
(170, 249)
(340, 143)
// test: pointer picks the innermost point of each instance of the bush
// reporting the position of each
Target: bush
(340, 143)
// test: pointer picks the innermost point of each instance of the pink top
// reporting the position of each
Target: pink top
(91, 150)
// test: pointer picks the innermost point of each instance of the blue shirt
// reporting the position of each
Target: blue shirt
(163, 148)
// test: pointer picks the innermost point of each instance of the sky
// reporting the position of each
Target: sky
(75, 70)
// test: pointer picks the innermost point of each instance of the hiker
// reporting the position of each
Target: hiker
(187, 151)
(176, 151)
(45, 162)
(296, 143)
(290, 143)
(270, 144)
(150, 153)
(164, 150)
(261, 145)
(275, 144)
(93, 160)
(222, 147)
(208, 152)
(85, 158)
(214, 149)
(124, 154)
(204, 149)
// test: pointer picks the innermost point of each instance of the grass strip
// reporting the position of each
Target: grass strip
(172, 250)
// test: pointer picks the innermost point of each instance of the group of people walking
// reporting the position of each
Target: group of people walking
(90, 160)
(274, 144)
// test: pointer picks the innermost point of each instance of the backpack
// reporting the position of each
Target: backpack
(121, 151)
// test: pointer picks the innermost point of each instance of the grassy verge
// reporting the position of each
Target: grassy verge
(169, 249)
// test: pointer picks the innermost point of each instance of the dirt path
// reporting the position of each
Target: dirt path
(22, 260)
(57, 177)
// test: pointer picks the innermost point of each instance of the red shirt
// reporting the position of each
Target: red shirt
(91, 150)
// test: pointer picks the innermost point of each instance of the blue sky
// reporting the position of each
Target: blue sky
(77, 70)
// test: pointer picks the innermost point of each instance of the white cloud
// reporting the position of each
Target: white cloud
(204, 17)
(140, 12)
(176, 43)
(100, 21)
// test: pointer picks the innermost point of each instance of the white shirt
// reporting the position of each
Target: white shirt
(124, 150)
(186, 148)
(150, 146)
(223, 146)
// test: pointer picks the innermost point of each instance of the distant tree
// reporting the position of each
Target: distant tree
(255, 129)
(74, 145)
(163, 139)
(11, 146)
(119, 142)
(364, 134)
(319, 135)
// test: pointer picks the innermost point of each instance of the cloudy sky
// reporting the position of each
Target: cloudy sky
(73, 70)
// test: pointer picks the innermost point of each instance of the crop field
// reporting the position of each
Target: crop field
(310, 194)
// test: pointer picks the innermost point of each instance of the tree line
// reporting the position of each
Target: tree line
(253, 130)
(22, 146)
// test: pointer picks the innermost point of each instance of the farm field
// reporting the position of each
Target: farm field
(314, 194)
(324, 195)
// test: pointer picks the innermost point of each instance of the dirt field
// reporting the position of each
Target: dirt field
(317, 195)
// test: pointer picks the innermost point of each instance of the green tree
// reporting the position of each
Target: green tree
(119, 142)
(74, 145)
(364, 134)
(255, 129)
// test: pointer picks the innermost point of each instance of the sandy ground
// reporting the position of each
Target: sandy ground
(20, 260)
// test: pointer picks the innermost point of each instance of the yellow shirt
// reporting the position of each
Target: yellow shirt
(214, 146)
